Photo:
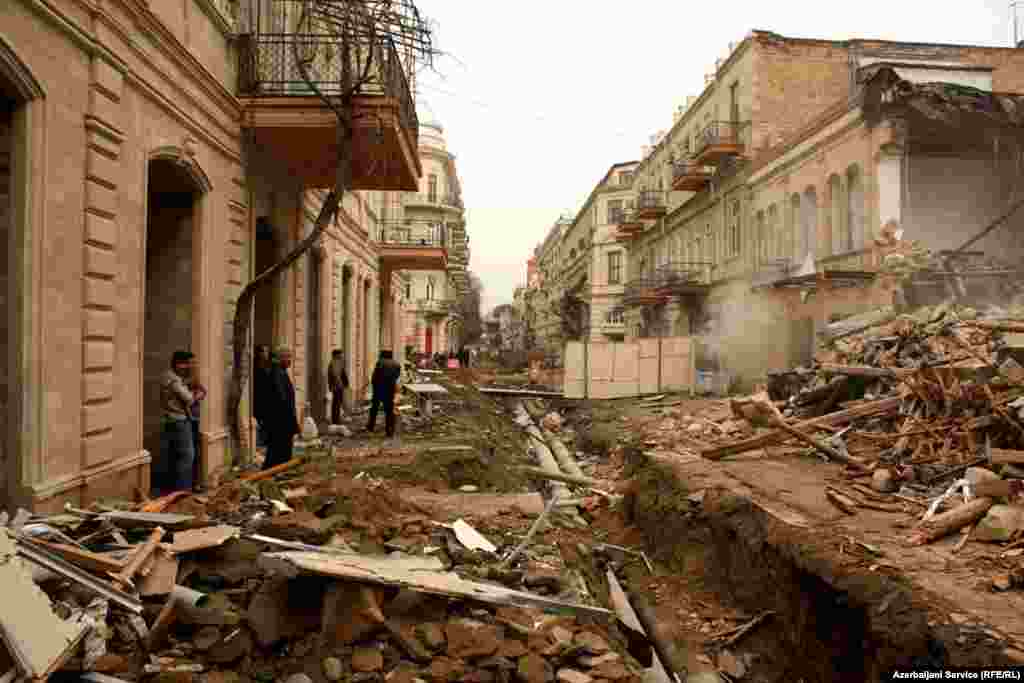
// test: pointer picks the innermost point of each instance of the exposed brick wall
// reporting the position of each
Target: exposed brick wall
(794, 83)
(168, 312)
(5, 233)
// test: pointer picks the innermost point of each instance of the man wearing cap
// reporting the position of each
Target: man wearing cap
(282, 422)
(385, 382)
(337, 381)
(178, 392)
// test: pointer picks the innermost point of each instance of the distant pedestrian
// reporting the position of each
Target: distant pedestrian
(281, 421)
(178, 393)
(337, 381)
(385, 383)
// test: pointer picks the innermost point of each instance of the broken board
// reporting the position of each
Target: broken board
(411, 573)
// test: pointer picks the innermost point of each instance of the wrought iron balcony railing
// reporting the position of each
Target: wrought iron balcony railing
(650, 202)
(723, 134)
(267, 68)
(435, 306)
(689, 176)
(676, 277)
(623, 217)
(413, 236)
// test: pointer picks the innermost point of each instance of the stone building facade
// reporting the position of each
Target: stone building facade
(138, 194)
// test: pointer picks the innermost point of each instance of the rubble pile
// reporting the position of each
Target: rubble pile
(296, 574)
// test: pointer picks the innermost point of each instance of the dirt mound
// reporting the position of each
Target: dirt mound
(452, 469)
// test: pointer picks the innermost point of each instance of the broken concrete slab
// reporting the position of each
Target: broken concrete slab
(201, 539)
(38, 640)
(411, 573)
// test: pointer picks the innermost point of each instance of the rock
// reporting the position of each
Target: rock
(591, 642)
(541, 580)
(275, 612)
(979, 474)
(512, 649)
(298, 678)
(499, 662)
(443, 669)
(703, 677)
(883, 481)
(560, 640)
(1002, 582)
(367, 677)
(110, 663)
(468, 639)
(1000, 524)
(531, 669)
(367, 659)
(695, 428)
(551, 422)
(206, 638)
(333, 670)
(350, 612)
(233, 647)
(479, 676)
(590, 661)
(731, 664)
(469, 488)
(220, 677)
(612, 671)
(572, 676)
(431, 635)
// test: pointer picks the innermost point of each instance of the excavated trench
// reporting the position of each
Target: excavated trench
(829, 624)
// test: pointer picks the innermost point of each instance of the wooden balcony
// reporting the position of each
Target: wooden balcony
(688, 176)
(419, 247)
(721, 139)
(650, 204)
(294, 124)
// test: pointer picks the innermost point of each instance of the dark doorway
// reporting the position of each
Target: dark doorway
(266, 256)
(170, 228)
(316, 390)
(801, 343)
(8, 107)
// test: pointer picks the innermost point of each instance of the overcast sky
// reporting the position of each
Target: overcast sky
(539, 98)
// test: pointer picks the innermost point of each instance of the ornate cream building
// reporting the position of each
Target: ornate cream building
(153, 159)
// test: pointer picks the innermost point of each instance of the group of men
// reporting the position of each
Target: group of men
(273, 407)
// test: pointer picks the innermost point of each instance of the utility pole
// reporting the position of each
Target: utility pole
(1013, 6)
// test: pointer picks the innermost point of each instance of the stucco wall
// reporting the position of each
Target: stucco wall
(6, 214)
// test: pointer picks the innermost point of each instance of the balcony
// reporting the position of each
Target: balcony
(412, 247)
(614, 321)
(681, 278)
(688, 176)
(627, 224)
(650, 204)
(433, 201)
(289, 120)
(434, 308)
(721, 139)
(643, 291)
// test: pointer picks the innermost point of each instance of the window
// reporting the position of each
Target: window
(774, 234)
(432, 188)
(408, 291)
(808, 224)
(763, 238)
(581, 243)
(792, 221)
(615, 316)
(839, 233)
(855, 208)
(615, 268)
(626, 178)
(430, 289)
(734, 229)
(614, 210)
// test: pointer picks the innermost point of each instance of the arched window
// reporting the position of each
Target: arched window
(839, 234)
(430, 288)
(808, 224)
(855, 207)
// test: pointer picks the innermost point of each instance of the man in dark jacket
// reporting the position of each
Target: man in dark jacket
(337, 382)
(281, 420)
(260, 384)
(385, 382)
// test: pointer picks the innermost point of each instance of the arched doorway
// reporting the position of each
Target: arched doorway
(172, 221)
(365, 314)
(316, 385)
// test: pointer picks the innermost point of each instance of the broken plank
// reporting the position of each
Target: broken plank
(124, 577)
(273, 471)
(201, 539)
(831, 420)
(132, 520)
(94, 562)
(865, 371)
(391, 572)
(1004, 456)
(949, 522)
(162, 576)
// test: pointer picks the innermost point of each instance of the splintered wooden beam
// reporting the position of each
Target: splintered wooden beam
(880, 406)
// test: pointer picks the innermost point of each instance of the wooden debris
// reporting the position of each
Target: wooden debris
(541, 473)
(950, 522)
(845, 505)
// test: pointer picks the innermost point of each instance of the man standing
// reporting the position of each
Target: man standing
(173, 472)
(337, 381)
(281, 420)
(385, 382)
(260, 385)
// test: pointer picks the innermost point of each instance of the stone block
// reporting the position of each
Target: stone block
(100, 261)
(99, 292)
(102, 168)
(100, 229)
(100, 198)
